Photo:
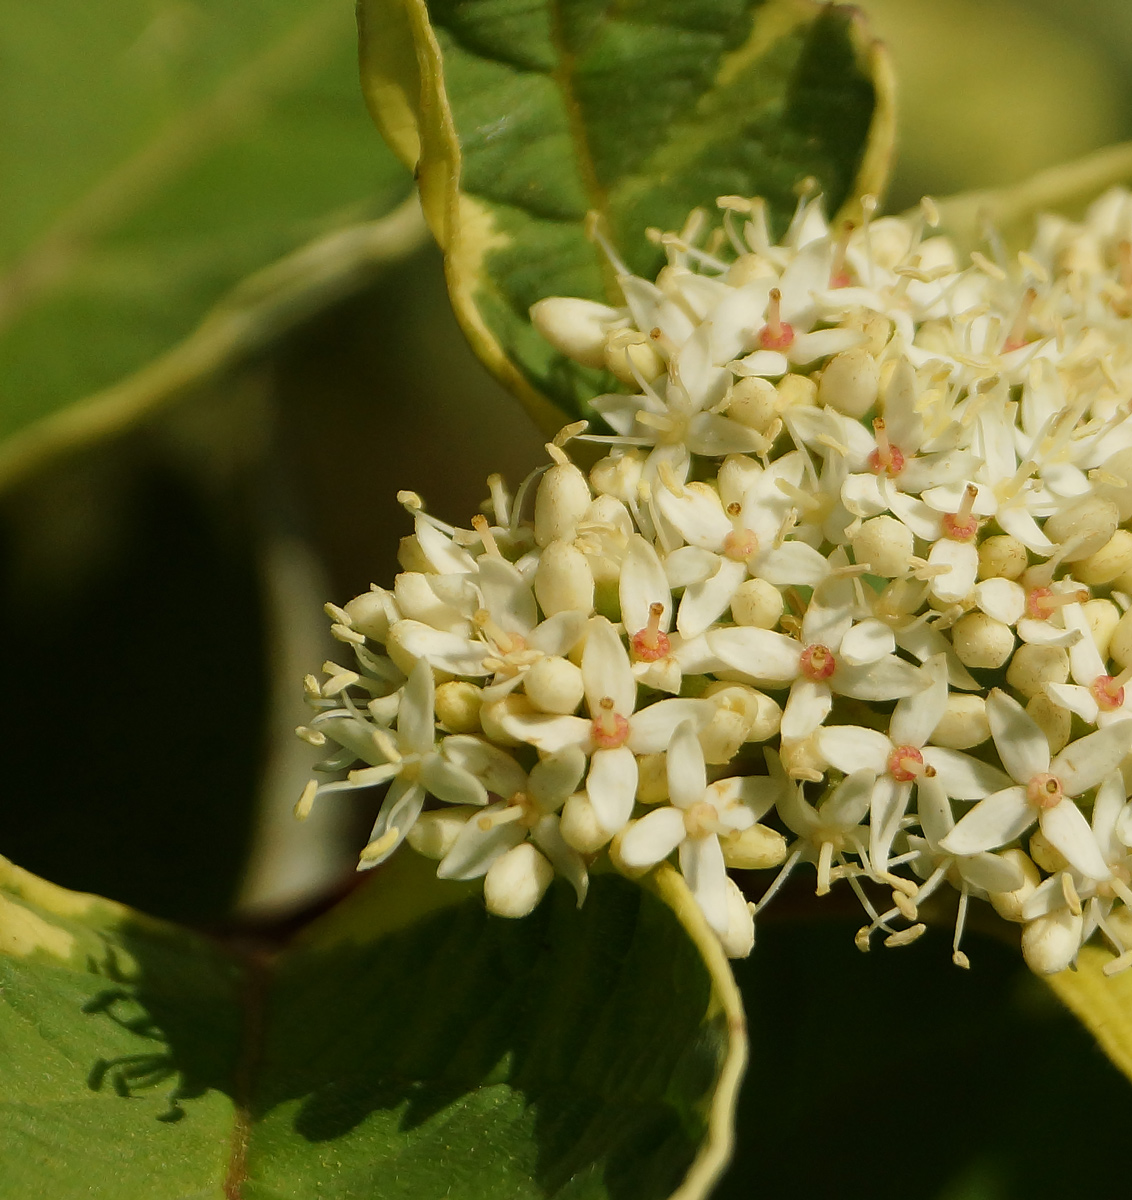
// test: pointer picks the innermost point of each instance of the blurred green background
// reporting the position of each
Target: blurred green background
(160, 584)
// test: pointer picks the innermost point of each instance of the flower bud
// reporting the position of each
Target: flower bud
(876, 328)
(433, 834)
(752, 402)
(1009, 905)
(737, 473)
(418, 602)
(563, 580)
(1033, 666)
(849, 383)
(1120, 644)
(885, 544)
(618, 475)
(757, 603)
(1002, 557)
(761, 715)
(1045, 854)
(458, 704)
(1053, 720)
(580, 827)
(1050, 943)
(722, 736)
(516, 881)
(1103, 616)
(493, 713)
(652, 778)
(1086, 525)
(964, 722)
(981, 641)
(739, 939)
(754, 849)
(560, 503)
(749, 267)
(632, 357)
(576, 328)
(554, 685)
(372, 613)
(619, 863)
(1117, 487)
(796, 390)
(1112, 560)
(411, 556)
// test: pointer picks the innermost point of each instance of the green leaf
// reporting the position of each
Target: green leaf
(521, 118)
(410, 1045)
(154, 156)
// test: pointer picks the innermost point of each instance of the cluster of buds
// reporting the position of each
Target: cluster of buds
(852, 586)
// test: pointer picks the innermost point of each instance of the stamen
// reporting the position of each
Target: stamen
(741, 543)
(825, 858)
(905, 937)
(838, 275)
(1070, 893)
(775, 334)
(1016, 338)
(386, 842)
(306, 800)
(962, 526)
(480, 525)
(311, 736)
(886, 459)
(502, 816)
(651, 643)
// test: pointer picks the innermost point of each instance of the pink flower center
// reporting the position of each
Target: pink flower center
(651, 643)
(1044, 791)
(1108, 692)
(775, 334)
(906, 763)
(610, 729)
(962, 526)
(1043, 602)
(818, 662)
(886, 459)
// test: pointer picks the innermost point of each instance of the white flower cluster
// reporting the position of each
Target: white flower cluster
(851, 587)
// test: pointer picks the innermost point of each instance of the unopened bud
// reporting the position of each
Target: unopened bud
(560, 503)
(1115, 482)
(753, 402)
(1002, 557)
(1050, 943)
(563, 580)
(371, 614)
(411, 556)
(739, 938)
(516, 881)
(1009, 905)
(1103, 617)
(754, 849)
(494, 713)
(554, 685)
(1033, 666)
(885, 544)
(757, 603)
(1120, 644)
(1086, 524)
(618, 475)
(849, 383)
(652, 778)
(796, 390)
(722, 736)
(580, 827)
(964, 722)
(981, 641)
(578, 328)
(1111, 561)
(1046, 854)
(458, 704)
(761, 715)
(433, 834)
(632, 359)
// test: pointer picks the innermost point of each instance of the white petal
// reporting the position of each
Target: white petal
(687, 775)
(866, 642)
(612, 787)
(444, 556)
(690, 564)
(1002, 599)
(762, 362)
(808, 347)
(1067, 830)
(852, 748)
(964, 777)
(1085, 762)
(703, 602)
(1106, 813)
(476, 848)
(701, 861)
(807, 707)
(507, 595)
(697, 513)
(1000, 818)
(889, 804)
(399, 810)
(962, 559)
(886, 679)
(546, 732)
(559, 634)
(1021, 744)
(565, 860)
(990, 872)
(1042, 633)
(792, 563)
(493, 767)
(758, 652)
(556, 777)
(605, 669)
(653, 838)
(915, 717)
(450, 783)
(934, 810)
(416, 720)
(642, 584)
(444, 651)
(652, 728)
(713, 435)
(846, 806)
(1079, 700)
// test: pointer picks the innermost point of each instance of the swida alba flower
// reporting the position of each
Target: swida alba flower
(851, 587)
